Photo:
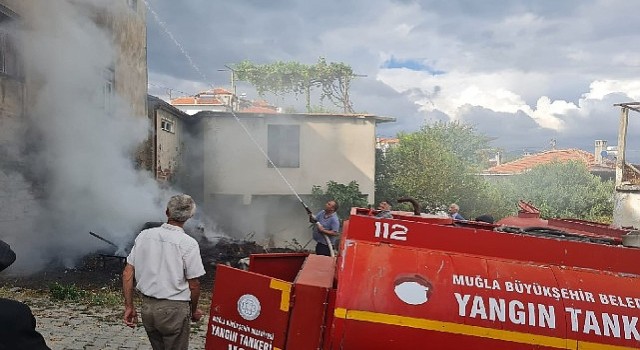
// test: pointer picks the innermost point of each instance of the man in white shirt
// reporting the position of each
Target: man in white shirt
(166, 265)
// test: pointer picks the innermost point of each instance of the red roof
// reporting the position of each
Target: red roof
(388, 141)
(258, 109)
(183, 101)
(220, 91)
(528, 162)
(206, 100)
(260, 106)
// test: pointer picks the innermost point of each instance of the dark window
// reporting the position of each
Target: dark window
(9, 59)
(284, 145)
(167, 125)
(133, 4)
(108, 89)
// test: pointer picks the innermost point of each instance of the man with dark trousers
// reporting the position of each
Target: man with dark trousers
(17, 324)
(165, 264)
(326, 229)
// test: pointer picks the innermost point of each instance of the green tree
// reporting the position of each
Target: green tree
(563, 190)
(438, 165)
(347, 196)
(333, 80)
(461, 139)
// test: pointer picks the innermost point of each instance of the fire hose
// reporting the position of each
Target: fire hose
(315, 221)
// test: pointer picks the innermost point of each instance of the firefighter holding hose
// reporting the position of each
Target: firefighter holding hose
(326, 229)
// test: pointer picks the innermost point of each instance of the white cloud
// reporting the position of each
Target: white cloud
(556, 66)
(600, 88)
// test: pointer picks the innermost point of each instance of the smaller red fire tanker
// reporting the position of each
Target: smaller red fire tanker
(425, 282)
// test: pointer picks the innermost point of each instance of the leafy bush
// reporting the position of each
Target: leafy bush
(58, 291)
(71, 292)
(346, 196)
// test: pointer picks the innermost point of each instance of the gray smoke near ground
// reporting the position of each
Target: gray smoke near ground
(79, 149)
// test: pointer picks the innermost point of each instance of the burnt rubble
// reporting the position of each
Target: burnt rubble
(103, 270)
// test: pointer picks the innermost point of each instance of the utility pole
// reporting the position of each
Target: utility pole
(233, 78)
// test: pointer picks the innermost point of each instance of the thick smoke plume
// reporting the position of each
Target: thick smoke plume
(79, 145)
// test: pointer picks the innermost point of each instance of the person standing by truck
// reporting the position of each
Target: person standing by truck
(326, 228)
(385, 210)
(17, 323)
(166, 264)
(454, 212)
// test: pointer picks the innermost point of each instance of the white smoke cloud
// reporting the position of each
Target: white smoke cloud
(80, 148)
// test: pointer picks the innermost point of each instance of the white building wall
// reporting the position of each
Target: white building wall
(18, 197)
(339, 149)
(242, 192)
(169, 144)
(626, 209)
(193, 109)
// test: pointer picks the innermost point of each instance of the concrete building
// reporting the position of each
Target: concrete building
(244, 191)
(214, 100)
(20, 187)
(17, 199)
(626, 212)
(167, 146)
(596, 166)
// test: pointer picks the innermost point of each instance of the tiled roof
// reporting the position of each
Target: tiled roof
(388, 141)
(220, 91)
(208, 100)
(259, 109)
(183, 101)
(528, 162)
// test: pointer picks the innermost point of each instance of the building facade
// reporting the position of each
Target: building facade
(257, 167)
(22, 185)
(168, 142)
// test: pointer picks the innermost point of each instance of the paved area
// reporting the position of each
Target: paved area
(68, 326)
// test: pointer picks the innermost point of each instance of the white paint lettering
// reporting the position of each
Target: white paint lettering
(478, 308)
(462, 303)
(399, 233)
(497, 309)
(574, 317)
(223, 333)
(546, 317)
(458, 280)
(630, 329)
(591, 323)
(516, 312)
(611, 325)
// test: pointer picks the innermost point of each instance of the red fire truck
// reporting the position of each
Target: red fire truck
(426, 282)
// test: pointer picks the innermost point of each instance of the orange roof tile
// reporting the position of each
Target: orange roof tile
(389, 141)
(258, 109)
(221, 91)
(528, 162)
(208, 101)
(183, 101)
(261, 103)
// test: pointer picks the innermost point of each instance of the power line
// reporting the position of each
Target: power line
(164, 27)
(169, 89)
(264, 153)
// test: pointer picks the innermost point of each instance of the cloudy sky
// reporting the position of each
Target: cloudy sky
(522, 71)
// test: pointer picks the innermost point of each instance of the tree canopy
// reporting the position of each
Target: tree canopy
(435, 165)
(563, 190)
(439, 165)
(332, 80)
(346, 196)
